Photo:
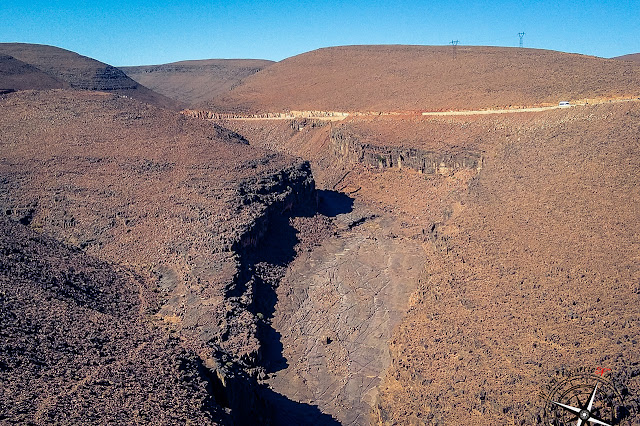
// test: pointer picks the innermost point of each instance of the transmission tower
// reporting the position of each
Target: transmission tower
(454, 43)
(521, 35)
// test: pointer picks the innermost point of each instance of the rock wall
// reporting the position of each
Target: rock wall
(179, 203)
(226, 336)
(238, 357)
(281, 194)
(350, 148)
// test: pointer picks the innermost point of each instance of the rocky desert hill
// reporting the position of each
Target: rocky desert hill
(385, 267)
(76, 71)
(17, 75)
(76, 347)
(432, 78)
(194, 82)
(180, 203)
(630, 57)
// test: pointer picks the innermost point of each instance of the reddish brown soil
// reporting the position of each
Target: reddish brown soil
(409, 78)
(531, 261)
(194, 82)
(178, 201)
(528, 224)
(536, 270)
(78, 72)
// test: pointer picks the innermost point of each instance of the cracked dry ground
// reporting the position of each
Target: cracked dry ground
(337, 306)
(495, 279)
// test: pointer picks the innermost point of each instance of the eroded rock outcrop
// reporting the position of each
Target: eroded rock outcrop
(350, 148)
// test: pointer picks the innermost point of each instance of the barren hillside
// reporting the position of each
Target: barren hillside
(533, 270)
(529, 229)
(181, 203)
(194, 82)
(76, 347)
(448, 270)
(409, 78)
(80, 72)
(630, 57)
(17, 75)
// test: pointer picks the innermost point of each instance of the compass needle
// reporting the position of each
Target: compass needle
(574, 410)
(580, 399)
(598, 421)
(592, 397)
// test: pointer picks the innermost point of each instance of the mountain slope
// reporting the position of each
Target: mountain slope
(392, 78)
(17, 75)
(75, 348)
(179, 202)
(193, 82)
(630, 57)
(81, 72)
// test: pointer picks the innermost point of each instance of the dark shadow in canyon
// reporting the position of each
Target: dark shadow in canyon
(268, 263)
(263, 265)
(287, 412)
(333, 203)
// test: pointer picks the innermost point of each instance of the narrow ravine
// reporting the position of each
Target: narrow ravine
(337, 307)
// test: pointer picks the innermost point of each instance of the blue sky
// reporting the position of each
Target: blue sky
(137, 32)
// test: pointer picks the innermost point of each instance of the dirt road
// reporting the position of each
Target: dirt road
(338, 116)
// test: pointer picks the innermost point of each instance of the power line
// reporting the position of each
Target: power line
(454, 43)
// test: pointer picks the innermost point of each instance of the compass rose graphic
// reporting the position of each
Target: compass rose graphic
(583, 413)
(585, 398)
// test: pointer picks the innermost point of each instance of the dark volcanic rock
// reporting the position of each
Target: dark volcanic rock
(531, 265)
(350, 148)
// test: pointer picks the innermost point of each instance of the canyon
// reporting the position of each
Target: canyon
(308, 247)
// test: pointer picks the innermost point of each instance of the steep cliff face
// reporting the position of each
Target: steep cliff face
(275, 197)
(349, 148)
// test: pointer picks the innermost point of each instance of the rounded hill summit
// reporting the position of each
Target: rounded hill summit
(412, 78)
